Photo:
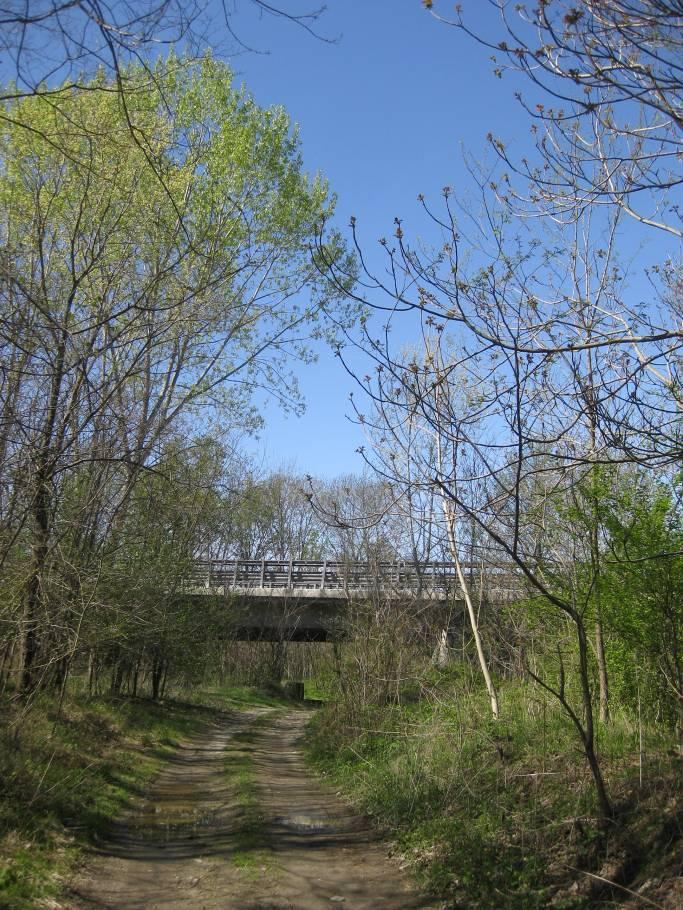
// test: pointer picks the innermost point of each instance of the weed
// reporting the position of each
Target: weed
(251, 853)
(489, 814)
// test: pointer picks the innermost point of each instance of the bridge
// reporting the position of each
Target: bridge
(335, 579)
(309, 600)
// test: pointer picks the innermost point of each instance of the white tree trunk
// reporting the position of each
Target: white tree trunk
(474, 624)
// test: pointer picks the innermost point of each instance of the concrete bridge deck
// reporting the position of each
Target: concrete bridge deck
(308, 600)
(337, 578)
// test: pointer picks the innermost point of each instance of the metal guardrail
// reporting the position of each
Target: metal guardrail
(245, 575)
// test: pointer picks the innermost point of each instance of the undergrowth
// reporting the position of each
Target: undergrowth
(501, 814)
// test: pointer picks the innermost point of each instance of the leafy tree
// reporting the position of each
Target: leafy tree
(143, 627)
(130, 304)
(642, 584)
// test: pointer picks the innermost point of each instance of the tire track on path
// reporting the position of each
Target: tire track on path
(183, 845)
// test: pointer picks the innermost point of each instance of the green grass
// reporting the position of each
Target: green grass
(237, 696)
(490, 814)
(318, 689)
(29, 874)
(251, 854)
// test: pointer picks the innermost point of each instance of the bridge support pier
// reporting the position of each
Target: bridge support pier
(442, 655)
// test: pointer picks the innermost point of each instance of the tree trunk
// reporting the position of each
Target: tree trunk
(116, 678)
(91, 672)
(587, 731)
(136, 677)
(157, 676)
(164, 678)
(7, 661)
(471, 612)
(603, 680)
(34, 599)
(595, 551)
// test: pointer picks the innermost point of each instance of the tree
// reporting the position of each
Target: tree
(360, 518)
(49, 46)
(268, 518)
(574, 370)
(489, 459)
(55, 47)
(606, 106)
(130, 303)
(606, 112)
(642, 582)
(143, 626)
(415, 449)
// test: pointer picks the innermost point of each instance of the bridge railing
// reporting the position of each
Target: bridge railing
(244, 575)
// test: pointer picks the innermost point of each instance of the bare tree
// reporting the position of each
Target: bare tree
(604, 102)
(493, 459)
(49, 45)
(560, 388)
(570, 371)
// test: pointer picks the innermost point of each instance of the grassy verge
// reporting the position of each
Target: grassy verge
(502, 814)
(232, 696)
(62, 778)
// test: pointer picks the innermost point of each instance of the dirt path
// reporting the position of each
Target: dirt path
(194, 842)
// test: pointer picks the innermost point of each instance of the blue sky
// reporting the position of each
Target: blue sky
(384, 113)
(386, 110)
